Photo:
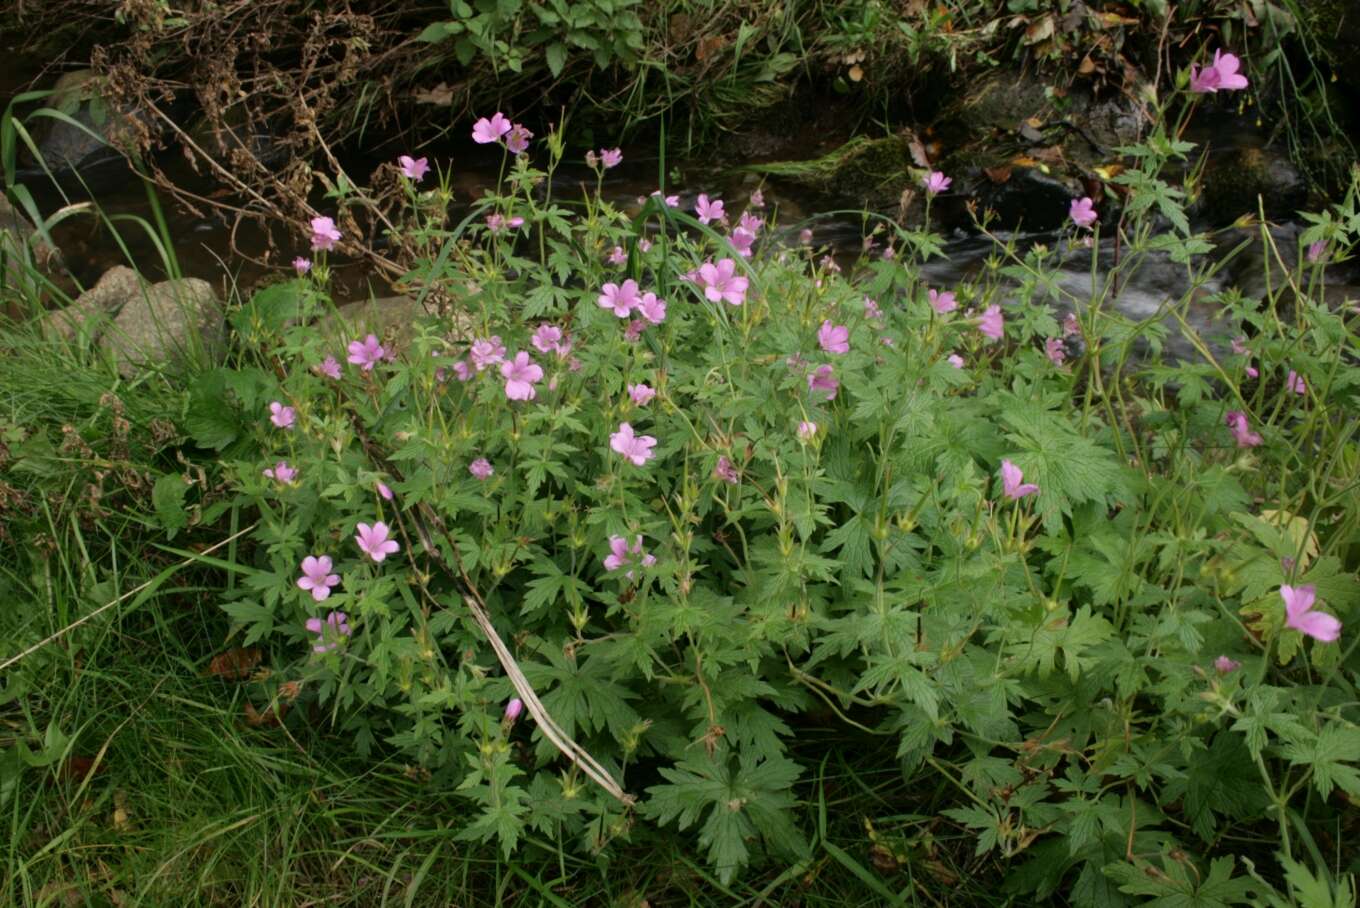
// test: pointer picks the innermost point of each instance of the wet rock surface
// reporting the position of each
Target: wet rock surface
(85, 149)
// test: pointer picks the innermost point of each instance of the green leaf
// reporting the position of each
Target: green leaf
(556, 55)
(168, 498)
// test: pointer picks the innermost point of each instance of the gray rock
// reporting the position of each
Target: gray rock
(173, 322)
(66, 148)
(103, 301)
(20, 243)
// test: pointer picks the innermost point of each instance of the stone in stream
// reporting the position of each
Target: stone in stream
(90, 150)
(96, 305)
(173, 322)
(1235, 178)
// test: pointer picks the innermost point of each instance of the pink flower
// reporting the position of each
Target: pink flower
(413, 168)
(619, 299)
(366, 353)
(1316, 251)
(1294, 382)
(936, 182)
(324, 234)
(462, 370)
(302, 265)
(517, 140)
(1011, 484)
(521, 374)
(742, 240)
(1222, 75)
(833, 338)
(486, 352)
(335, 628)
(652, 308)
(1239, 346)
(620, 554)
(644, 245)
(485, 131)
(384, 491)
(1252, 371)
(757, 199)
(546, 338)
(992, 323)
(942, 302)
(889, 253)
(720, 282)
(617, 256)
(317, 577)
(823, 379)
(726, 470)
(750, 223)
(373, 541)
(708, 210)
(513, 709)
(1299, 614)
(805, 236)
(611, 157)
(281, 473)
(871, 309)
(636, 448)
(1083, 212)
(1071, 327)
(807, 430)
(672, 201)
(481, 468)
(1055, 350)
(1241, 429)
(330, 367)
(282, 416)
(955, 360)
(641, 394)
(1223, 665)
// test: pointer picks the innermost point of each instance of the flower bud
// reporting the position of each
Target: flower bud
(513, 709)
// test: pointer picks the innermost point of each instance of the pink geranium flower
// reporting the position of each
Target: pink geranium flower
(955, 360)
(1011, 483)
(384, 490)
(281, 473)
(513, 709)
(324, 234)
(617, 256)
(621, 554)
(1237, 421)
(366, 353)
(742, 240)
(807, 430)
(462, 370)
(281, 416)
(1083, 212)
(413, 168)
(1301, 616)
(330, 367)
(652, 308)
(833, 338)
(641, 393)
(1055, 350)
(546, 338)
(672, 201)
(757, 199)
(517, 140)
(485, 131)
(302, 265)
(317, 578)
(1294, 382)
(481, 468)
(1223, 665)
(521, 374)
(373, 541)
(726, 470)
(708, 210)
(1317, 251)
(992, 324)
(611, 157)
(619, 298)
(329, 634)
(936, 182)
(1221, 75)
(636, 448)
(823, 379)
(486, 352)
(943, 301)
(721, 283)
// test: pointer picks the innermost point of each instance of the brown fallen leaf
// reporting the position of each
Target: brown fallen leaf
(440, 95)
(235, 664)
(1000, 174)
(289, 690)
(272, 717)
(76, 768)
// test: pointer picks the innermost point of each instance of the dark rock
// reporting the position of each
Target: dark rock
(1234, 179)
(168, 325)
(93, 152)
